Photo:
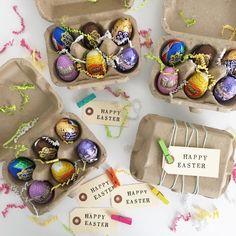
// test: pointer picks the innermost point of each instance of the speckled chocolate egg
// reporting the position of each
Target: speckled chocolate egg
(229, 61)
(95, 63)
(46, 148)
(122, 31)
(207, 50)
(173, 52)
(66, 69)
(197, 85)
(167, 81)
(68, 130)
(62, 170)
(61, 39)
(95, 31)
(21, 168)
(127, 60)
(88, 151)
(40, 192)
(225, 89)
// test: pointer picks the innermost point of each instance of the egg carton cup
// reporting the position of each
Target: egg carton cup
(207, 30)
(103, 13)
(44, 104)
(146, 157)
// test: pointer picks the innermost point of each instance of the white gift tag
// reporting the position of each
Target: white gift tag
(193, 161)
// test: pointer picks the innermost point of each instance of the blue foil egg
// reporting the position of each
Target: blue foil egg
(21, 168)
(173, 52)
(225, 89)
(61, 39)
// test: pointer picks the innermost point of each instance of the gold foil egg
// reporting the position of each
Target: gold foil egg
(197, 85)
(95, 63)
(62, 171)
(68, 130)
(122, 31)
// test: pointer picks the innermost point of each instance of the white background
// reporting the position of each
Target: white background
(146, 221)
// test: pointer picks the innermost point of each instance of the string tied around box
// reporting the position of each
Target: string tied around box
(188, 140)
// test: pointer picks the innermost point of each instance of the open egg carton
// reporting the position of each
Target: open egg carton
(146, 162)
(184, 83)
(104, 63)
(59, 149)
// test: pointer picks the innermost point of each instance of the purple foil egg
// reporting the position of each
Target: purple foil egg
(127, 60)
(225, 89)
(66, 69)
(87, 151)
(167, 81)
(40, 191)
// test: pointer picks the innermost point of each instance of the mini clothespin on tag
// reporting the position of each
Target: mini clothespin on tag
(122, 219)
(168, 157)
(159, 194)
(112, 175)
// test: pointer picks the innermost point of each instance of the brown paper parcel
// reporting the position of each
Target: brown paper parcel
(47, 106)
(207, 30)
(77, 13)
(146, 158)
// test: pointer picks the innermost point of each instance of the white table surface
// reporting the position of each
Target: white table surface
(147, 221)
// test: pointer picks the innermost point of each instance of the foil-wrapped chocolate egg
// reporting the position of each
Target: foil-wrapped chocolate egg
(46, 148)
(62, 170)
(225, 89)
(95, 63)
(66, 69)
(21, 168)
(167, 81)
(40, 192)
(229, 61)
(173, 52)
(88, 151)
(122, 31)
(95, 31)
(127, 60)
(68, 130)
(61, 39)
(208, 52)
(197, 85)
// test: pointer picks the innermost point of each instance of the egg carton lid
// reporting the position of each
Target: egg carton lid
(55, 10)
(43, 100)
(210, 15)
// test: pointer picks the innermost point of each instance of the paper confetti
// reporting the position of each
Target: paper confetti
(24, 44)
(5, 188)
(146, 35)
(6, 46)
(117, 92)
(12, 206)
(179, 217)
(44, 223)
(234, 173)
(22, 23)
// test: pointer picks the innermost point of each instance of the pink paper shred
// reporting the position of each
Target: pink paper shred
(117, 93)
(22, 22)
(24, 44)
(234, 173)
(146, 35)
(5, 188)
(174, 225)
(12, 206)
(6, 45)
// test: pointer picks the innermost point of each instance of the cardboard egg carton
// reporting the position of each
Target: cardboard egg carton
(147, 156)
(77, 13)
(207, 30)
(44, 103)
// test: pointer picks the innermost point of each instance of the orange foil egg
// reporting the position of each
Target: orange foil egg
(95, 63)
(196, 85)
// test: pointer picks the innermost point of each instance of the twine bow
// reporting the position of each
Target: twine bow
(231, 29)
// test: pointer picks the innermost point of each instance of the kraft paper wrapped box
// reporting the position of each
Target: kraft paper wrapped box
(207, 30)
(77, 13)
(147, 156)
(47, 106)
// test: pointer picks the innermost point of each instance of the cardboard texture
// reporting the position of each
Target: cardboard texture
(77, 13)
(207, 30)
(43, 104)
(146, 157)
